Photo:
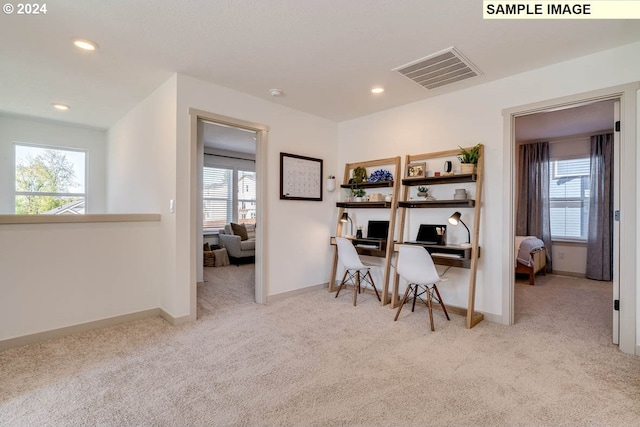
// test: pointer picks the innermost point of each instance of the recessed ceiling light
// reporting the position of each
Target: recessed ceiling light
(377, 90)
(61, 107)
(85, 44)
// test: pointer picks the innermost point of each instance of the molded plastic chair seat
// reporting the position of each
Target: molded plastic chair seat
(355, 271)
(416, 266)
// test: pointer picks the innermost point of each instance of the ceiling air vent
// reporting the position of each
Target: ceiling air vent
(440, 69)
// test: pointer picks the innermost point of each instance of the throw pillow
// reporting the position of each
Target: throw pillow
(240, 230)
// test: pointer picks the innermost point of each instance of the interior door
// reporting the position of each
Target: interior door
(616, 223)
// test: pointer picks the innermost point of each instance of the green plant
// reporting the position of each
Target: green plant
(423, 189)
(359, 174)
(358, 192)
(470, 155)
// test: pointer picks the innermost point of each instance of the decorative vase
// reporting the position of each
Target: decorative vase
(467, 168)
(358, 234)
(423, 194)
(331, 184)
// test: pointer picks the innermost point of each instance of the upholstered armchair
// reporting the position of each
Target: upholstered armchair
(238, 249)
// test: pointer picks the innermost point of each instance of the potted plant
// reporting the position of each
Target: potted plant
(358, 193)
(423, 191)
(469, 159)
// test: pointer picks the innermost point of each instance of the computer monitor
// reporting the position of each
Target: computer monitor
(432, 234)
(378, 229)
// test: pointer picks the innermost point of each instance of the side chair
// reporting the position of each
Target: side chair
(355, 271)
(416, 266)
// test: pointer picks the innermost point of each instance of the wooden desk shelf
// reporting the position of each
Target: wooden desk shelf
(434, 180)
(381, 249)
(364, 205)
(467, 257)
(437, 203)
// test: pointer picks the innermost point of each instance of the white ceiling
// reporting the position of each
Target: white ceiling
(325, 55)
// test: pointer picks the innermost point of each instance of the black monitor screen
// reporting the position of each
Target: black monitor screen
(432, 234)
(378, 229)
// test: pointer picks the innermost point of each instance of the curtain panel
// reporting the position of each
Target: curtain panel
(600, 234)
(533, 212)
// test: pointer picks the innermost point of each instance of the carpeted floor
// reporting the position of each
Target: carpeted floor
(312, 360)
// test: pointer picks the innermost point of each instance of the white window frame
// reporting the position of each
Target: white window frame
(583, 199)
(234, 165)
(17, 193)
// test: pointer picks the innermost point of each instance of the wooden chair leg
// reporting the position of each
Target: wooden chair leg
(373, 284)
(342, 283)
(435, 288)
(404, 299)
(430, 311)
(356, 288)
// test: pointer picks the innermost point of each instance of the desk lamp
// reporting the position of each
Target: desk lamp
(345, 218)
(454, 220)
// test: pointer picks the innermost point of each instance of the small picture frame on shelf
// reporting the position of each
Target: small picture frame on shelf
(416, 170)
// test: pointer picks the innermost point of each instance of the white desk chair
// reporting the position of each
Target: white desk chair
(416, 266)
(355, 271)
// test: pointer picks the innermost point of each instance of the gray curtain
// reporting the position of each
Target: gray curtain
(600, 234)
(533, 214)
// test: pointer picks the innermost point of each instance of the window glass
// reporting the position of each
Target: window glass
(569, 198)
(217, 194)
(246, 197)
(49, 180)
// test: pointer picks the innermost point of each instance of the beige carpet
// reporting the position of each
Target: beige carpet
(315, 360)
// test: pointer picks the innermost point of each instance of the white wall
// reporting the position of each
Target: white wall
(59, 275)
(47, 132)
(142, 179)
(475, 115)
(297, 232)
(569, 258)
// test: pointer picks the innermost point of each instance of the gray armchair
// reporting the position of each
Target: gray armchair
(237, 249)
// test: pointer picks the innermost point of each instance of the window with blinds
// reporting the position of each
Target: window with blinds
(569, 198)
(217, 191)
(228, 195)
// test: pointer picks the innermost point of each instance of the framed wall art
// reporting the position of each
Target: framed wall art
(416, 170)
(300, 177)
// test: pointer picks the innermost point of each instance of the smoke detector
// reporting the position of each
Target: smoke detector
(275, 92)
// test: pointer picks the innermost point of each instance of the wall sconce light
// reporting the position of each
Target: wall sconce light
(345, 218)
(454, 220)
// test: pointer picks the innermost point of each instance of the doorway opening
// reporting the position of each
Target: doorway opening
(230, 160)
(560, 211)
(624, 290)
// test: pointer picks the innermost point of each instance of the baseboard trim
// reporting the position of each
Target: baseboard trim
(82, 327)
(568, 273)
(175, 321)
(287, 294)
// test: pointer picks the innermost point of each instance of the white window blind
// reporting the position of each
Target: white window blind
(569, 198)
(217, 191)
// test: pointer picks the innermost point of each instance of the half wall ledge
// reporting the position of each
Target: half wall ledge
(74, 219)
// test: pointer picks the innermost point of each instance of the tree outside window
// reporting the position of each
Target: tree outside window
(49, 180)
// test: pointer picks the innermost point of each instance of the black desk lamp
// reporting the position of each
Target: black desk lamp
(455, 219)
(345, 218)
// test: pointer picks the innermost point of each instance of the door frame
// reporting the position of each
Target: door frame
(627, 95)
(197, 147)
